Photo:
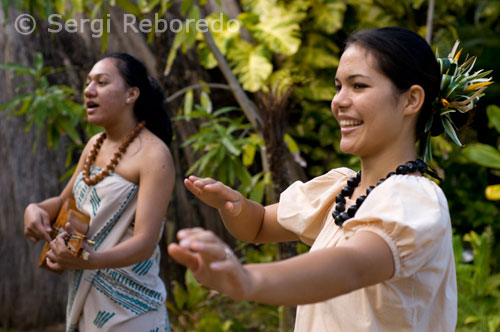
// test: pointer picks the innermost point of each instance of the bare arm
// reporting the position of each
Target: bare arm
(364, 260)
(156, 184)
(244, 219)
(39, 216)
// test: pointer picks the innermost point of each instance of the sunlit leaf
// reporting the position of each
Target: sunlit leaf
(248, 154)
(188, 102)
(251, 64)
(206, 103)
(493, 192)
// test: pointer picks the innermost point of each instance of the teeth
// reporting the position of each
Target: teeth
(349, 123)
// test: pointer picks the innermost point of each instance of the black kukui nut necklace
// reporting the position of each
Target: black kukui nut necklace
(341, 215)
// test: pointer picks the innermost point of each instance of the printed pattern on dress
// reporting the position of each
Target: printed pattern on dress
(102, 318)
(122, 289)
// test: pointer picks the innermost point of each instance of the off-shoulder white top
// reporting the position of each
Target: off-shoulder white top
(411, 214)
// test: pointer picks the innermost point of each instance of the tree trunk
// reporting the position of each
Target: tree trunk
(277, 153)
(29, 296)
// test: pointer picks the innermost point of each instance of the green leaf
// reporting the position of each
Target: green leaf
(12, 104)
(257, 193)
(38, 62)
(292, 145)
(180, 295)
(278, 35)
(129, 7)
(483, 154)
(69, 129)
(329, 15)
(179, 38)
(223, 30)
(105, 29)
(60, 6)
(248, 154)
(242, 174)
(186, 5)
(230, 146)
(251, 64)
(205, 56)
(493, 113)
(206, 103)
(224, 110)
(448, 127)
(18, 69)
(188, 102)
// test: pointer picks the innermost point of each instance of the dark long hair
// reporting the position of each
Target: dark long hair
(150, 106)
(406, 59)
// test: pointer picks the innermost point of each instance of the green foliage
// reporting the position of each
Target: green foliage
(53, 107)
(478, 288)
(487, 155)
(227, 146)
(196, 309)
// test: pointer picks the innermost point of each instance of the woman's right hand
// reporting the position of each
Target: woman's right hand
(216, 194)
(212, 263)
(36, 223)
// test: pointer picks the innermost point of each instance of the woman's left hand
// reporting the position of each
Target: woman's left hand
(59, 257)
(212, 262)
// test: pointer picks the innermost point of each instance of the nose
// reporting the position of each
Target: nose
(340, 100)
(90, 90)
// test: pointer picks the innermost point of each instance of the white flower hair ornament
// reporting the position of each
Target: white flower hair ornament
(460, 90)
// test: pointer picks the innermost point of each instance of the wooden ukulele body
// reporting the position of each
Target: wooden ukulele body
(79, 224)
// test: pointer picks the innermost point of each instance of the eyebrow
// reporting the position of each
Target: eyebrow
(98, 75)
(353, 76)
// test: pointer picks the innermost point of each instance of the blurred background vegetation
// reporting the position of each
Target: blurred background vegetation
(251, 103)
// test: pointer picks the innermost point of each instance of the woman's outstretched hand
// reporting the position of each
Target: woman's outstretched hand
(215, 194)
(212, 262)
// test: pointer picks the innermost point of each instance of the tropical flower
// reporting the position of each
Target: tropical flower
(460, 90)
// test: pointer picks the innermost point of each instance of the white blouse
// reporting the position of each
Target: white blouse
(411, 214)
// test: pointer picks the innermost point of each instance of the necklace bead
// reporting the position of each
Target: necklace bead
(340, 215)
(110, 167)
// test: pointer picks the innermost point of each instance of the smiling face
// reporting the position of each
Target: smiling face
(107, 96)
(367, 106)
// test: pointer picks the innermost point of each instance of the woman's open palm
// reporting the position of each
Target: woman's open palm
(215, 194)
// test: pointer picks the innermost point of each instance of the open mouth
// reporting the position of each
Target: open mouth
(349, 123)
(91, 105)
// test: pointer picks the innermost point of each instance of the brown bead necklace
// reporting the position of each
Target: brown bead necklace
(110, 167)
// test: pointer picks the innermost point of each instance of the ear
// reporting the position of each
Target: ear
(132, 95)
(415, 97)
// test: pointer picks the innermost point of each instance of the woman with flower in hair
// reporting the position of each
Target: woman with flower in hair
(123, 182)
(381, 256)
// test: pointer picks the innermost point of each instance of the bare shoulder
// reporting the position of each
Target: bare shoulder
(155, 154)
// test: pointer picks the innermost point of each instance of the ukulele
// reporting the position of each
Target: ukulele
(79, 224)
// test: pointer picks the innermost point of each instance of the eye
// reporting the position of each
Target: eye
(102, 83)
(337, 87)
(359, 86)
